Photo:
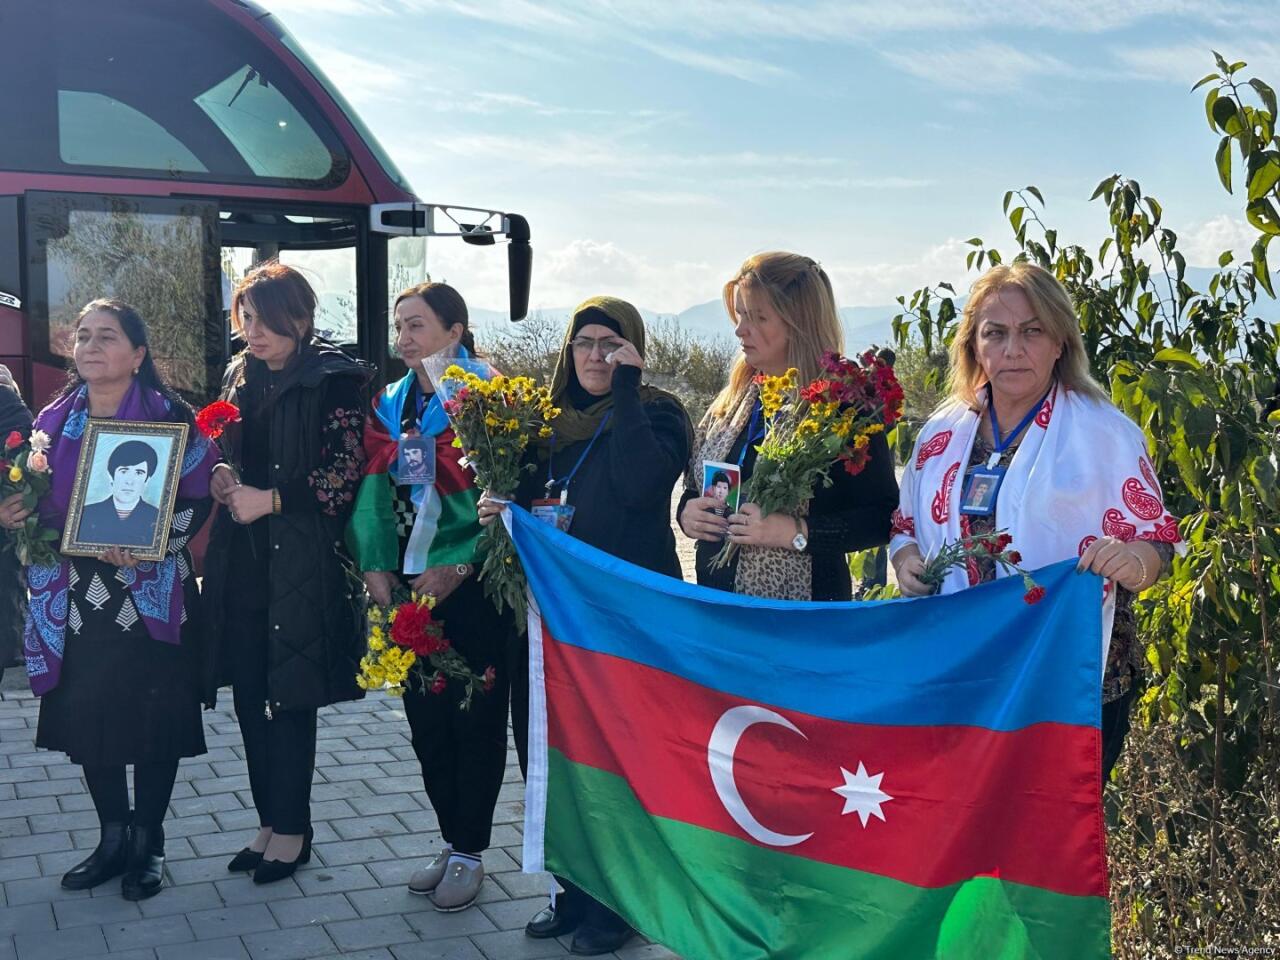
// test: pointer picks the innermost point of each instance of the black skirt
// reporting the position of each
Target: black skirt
(124, 697)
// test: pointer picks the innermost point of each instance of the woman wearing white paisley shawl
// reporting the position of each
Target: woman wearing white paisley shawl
(1076, 478)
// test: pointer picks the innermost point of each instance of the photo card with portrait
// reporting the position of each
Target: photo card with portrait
(723, 482)
(125, 487)
(981, 487)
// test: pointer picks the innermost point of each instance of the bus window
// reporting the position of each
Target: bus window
(96, 131)
(264, 128)
(160, 255)
(99, 87)
(322, 249)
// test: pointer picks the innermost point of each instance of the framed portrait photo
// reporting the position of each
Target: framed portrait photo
(125, 486)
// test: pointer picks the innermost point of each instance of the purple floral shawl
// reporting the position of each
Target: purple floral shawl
(156, 587)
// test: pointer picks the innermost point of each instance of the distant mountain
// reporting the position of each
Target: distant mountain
(863, 326)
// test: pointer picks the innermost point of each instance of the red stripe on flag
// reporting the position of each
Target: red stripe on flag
(966, 801)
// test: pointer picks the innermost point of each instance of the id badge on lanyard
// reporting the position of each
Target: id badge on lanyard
(981, 487)
(553, 512)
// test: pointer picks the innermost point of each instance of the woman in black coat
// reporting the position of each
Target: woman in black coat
(618, 448)
(280, 603)
(14, 415)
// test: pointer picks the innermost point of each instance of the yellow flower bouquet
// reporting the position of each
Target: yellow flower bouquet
(812, 427)
(494, 421)
(406, 645)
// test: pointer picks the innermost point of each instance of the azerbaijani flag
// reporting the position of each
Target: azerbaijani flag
(444, 529)
(744, 778)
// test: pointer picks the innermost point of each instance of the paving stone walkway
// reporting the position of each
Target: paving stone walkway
(373, 826)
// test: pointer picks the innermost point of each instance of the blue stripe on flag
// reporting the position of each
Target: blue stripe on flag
(907, 662)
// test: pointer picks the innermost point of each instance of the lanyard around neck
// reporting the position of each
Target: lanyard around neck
(1001, 445)
(563, 482)
(757, 413)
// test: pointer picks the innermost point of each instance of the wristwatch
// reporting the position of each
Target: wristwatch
(463, 569)
(799, 541)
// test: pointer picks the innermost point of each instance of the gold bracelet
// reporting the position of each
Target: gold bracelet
(1143, 580)
(276, 506)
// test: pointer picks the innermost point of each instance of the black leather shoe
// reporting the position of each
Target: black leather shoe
(110, 858)
(550, 922)
(592, 941)
(269, 871)
(245, 860)
(145, 875)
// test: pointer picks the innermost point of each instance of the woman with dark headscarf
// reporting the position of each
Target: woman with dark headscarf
(618, 448)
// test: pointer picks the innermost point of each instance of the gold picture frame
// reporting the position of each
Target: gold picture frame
(125, 487)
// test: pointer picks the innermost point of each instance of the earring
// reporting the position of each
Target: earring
(135, 371)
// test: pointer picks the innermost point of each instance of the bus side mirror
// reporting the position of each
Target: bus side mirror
(519, 265)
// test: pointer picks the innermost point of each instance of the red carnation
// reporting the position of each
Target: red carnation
(415, 629)
(439, 683)
(1034, 595)
(1015, 556)
(490, 678)
(213, 419)
(1002, 541)
(13, 441)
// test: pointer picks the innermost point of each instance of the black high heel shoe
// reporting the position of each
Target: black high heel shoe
(109, 859)
(269, 871)
(245, 860)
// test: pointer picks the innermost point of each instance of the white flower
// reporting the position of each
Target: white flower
(39, 441)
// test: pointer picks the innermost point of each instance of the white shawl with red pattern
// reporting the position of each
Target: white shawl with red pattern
(1081, 472)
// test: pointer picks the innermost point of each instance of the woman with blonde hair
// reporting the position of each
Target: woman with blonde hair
(1065, 472)
(784, 315)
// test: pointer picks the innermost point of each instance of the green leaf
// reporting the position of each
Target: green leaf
(994, 257)
(1267, 94)
(1105, 186)
(1222, 64)
(1263, 215)
(1224, 111)
(1210, 99)
(1237, 66)
(974, 241)
(1226, 257)
(1265, 177)
(1008, 198)
(1174, 355)
(1155, 208)
(1203, 80)
(1035, 192)
(1260, 268)
(1273, 418)
(1223, 160)
(1015, 218)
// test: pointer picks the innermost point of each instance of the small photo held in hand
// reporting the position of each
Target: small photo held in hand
(125, 486)
(722, 482)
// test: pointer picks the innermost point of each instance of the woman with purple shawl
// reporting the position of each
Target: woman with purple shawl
(112, 644)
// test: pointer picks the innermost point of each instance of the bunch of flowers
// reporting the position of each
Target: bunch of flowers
(966, 552)
(406, 645)
(494, 421)
(812, 427)
(24, 469)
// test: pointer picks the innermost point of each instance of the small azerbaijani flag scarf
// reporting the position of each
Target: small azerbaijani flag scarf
(445, 530)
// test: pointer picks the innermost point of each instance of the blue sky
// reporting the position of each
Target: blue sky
(654, 145)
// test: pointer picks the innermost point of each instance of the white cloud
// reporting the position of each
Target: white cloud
(1184, 63)
(876, 284)
(956, 65)
(1202, 244)
(740, 68)
(784, 182)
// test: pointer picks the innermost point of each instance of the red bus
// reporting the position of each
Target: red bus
(154, 151)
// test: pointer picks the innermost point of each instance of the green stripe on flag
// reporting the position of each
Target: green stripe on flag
(457, 529)
(371, 531)
(710, 896)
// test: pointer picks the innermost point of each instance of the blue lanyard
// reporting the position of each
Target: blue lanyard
(1000, 446)
(563, 482)
(752, 436)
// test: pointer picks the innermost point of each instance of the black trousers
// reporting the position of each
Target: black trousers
(1115, 726)
(464, 752)
(281, 751)
(152, 788)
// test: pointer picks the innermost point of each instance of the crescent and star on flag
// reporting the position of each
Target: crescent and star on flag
(861, 791)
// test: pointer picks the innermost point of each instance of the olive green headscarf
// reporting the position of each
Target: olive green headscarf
(574, 425)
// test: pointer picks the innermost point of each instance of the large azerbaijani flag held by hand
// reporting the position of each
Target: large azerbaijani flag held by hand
(744, 778)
